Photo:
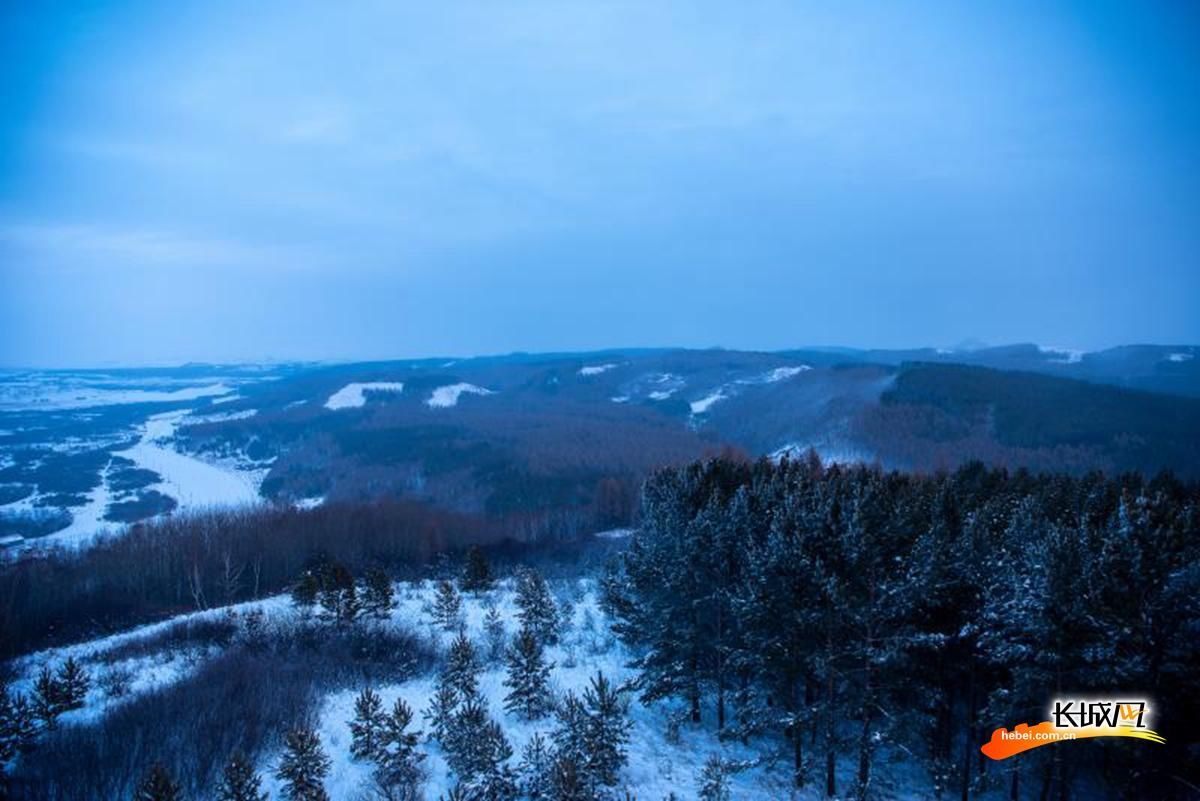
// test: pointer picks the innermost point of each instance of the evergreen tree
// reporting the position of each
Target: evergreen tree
(495, 634)
(157, 785)
(447, 606)
(239, 782)
(477, 574)
(570, 735)
(398, 775)
(305, 590)
(303, 767)
(535, 606)
(567, 781)
(606, 731)
(461, 671)
(713, 784)
(467, 749)
(379, 597)
(18, 728)
(535, 767)
(440, 714)
(367, 727)
(48, 701)
(496, 780)
(528, 678)
(339, 595)
(73, 684)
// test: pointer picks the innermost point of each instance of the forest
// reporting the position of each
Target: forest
(898, 616)
(832, 631)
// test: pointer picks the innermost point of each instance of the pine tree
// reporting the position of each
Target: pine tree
(461, 671)
(303, 767)
(570, 735)
(496, 780)
(535, 767)
(379, 597)
(606, 732)
(18, 728)
(477, 574)
(447, 606)
(366, 729)
(536, 608)
(440, 714)
(239, 782)
(73, 682)
(495, 634)
(528, 678)
(305, 590)
(567, 781)
(339, 596)
(713, 784)
(157, 785)
(47, 698)
(467, 749)
(398, 775)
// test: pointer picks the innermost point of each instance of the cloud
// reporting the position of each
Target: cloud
(68, 242)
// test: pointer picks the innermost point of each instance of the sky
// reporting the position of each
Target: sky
(212, 181)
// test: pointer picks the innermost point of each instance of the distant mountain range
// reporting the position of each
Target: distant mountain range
(564, 439)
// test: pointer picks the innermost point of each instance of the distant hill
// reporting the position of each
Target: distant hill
(564, 440)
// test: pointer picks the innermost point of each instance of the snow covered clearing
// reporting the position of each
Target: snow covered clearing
(447, 396)
(352, 396)
(310, 503)
(1180, 357)
(596, 369)
(704, 404)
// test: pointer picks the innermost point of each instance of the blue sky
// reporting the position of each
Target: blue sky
(218, 181)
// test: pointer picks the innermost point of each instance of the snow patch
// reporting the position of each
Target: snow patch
(1180, 357)
(615, 533)
(445, 397)
(310, 503)
(221, 417)
(354, 395)
(1065, 355)
(596, 369)
(784, 373)
(704, 404)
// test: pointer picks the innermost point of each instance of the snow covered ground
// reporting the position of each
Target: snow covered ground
(447, 396)
(194, 483)
(353, 396)
(663, 759)
(42, 392)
